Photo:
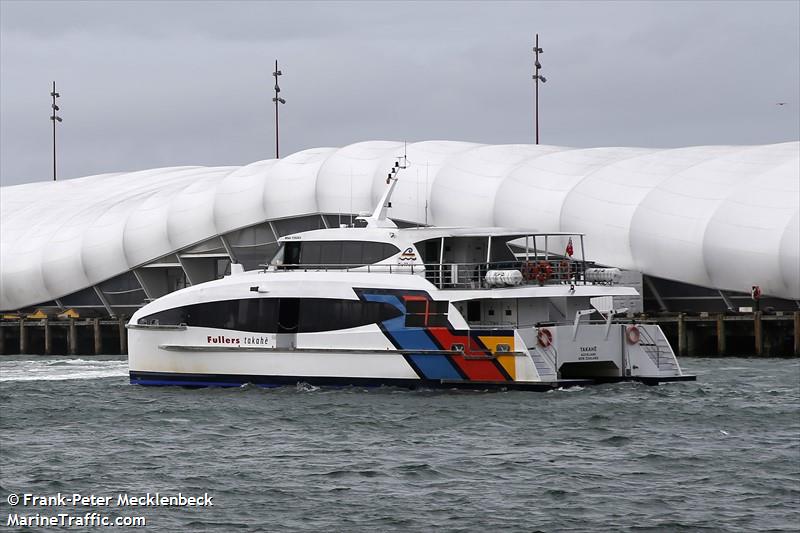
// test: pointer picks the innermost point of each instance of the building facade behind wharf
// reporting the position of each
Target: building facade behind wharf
(699, 225)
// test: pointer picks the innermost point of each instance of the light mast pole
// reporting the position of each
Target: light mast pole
(54, 118)
(277, 100)
(536, 78)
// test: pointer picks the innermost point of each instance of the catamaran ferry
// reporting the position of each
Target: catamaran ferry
(487, 308)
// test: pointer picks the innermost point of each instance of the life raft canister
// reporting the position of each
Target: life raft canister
(544, 337)
(632, 334)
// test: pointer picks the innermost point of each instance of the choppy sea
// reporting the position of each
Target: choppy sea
(720, 454)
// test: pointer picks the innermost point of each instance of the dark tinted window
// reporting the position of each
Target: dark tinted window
(352, 252)
(291, 253)
(331, 253)
(310, 253)
(288, 316)
(278, 315)
(417, 307)
(430, 250)
(337, 252)
(245, 315)
(500, 250)
(377, 251)
(437, 321)
(422, 313)
(317, 314)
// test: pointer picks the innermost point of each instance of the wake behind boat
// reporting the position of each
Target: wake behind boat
(415, 307)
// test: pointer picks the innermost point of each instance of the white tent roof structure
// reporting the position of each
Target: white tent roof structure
(724, 217)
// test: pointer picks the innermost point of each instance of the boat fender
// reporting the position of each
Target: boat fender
(545, 337)
(632, 334)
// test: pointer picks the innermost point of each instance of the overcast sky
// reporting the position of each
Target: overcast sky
(152, 84)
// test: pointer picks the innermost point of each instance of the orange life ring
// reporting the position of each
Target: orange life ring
(632, 334)
(529, 271)
(543, 271)
(544, 337)
(565, 269)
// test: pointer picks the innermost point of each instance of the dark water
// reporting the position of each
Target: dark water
(722, 454)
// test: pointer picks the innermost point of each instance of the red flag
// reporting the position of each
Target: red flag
(570, 250)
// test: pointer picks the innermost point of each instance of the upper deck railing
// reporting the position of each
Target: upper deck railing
(470, 275)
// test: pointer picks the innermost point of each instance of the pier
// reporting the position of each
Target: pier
(725, 334)
(703, 334)
(93, 336)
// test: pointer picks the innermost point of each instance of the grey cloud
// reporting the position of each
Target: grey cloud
(150, 84)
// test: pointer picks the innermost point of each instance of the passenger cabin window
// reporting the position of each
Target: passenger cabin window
(429, 250)
(345, 253)
(426, 313)
(501, 252)
(278, 315)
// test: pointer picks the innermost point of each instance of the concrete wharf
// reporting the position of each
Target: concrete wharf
(705, 334)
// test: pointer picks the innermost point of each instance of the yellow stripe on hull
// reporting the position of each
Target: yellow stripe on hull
(509, 362)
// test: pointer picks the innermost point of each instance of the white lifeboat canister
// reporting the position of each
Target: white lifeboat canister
(603, 275)
(499, 278)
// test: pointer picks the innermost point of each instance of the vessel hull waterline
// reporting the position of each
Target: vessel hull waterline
(529, 368)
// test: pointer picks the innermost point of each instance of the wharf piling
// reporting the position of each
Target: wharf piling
(758, 333)
(72, 340)
(742, 334)
(98, 339)
(93, 336)
(682, 338)
(727, 334)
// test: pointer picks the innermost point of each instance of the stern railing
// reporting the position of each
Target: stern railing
(467, 275)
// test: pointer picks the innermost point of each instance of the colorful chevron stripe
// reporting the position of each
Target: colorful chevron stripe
(477, 362)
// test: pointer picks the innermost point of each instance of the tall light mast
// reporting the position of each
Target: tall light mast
(536, 78)
(54, 118)
(277, 100)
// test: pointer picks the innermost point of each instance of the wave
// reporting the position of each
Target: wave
(61, 369)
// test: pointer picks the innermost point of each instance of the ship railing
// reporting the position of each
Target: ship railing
(651, 348)
(468, 275)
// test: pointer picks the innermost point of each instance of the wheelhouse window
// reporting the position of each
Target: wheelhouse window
(277, 315)
(426, 313)
(343, 253)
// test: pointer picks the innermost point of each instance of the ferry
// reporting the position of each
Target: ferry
(425, 307)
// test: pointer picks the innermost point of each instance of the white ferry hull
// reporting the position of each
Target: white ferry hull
(600, 355)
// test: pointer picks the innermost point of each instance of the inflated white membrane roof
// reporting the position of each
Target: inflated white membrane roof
(725, 217)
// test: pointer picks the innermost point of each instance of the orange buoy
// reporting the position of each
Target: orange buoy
(544, 337)
(632, 334)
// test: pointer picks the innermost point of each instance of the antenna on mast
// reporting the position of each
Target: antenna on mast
(378, 218)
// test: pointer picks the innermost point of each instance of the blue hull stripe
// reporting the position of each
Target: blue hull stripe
(430, 366)
(435, 366)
